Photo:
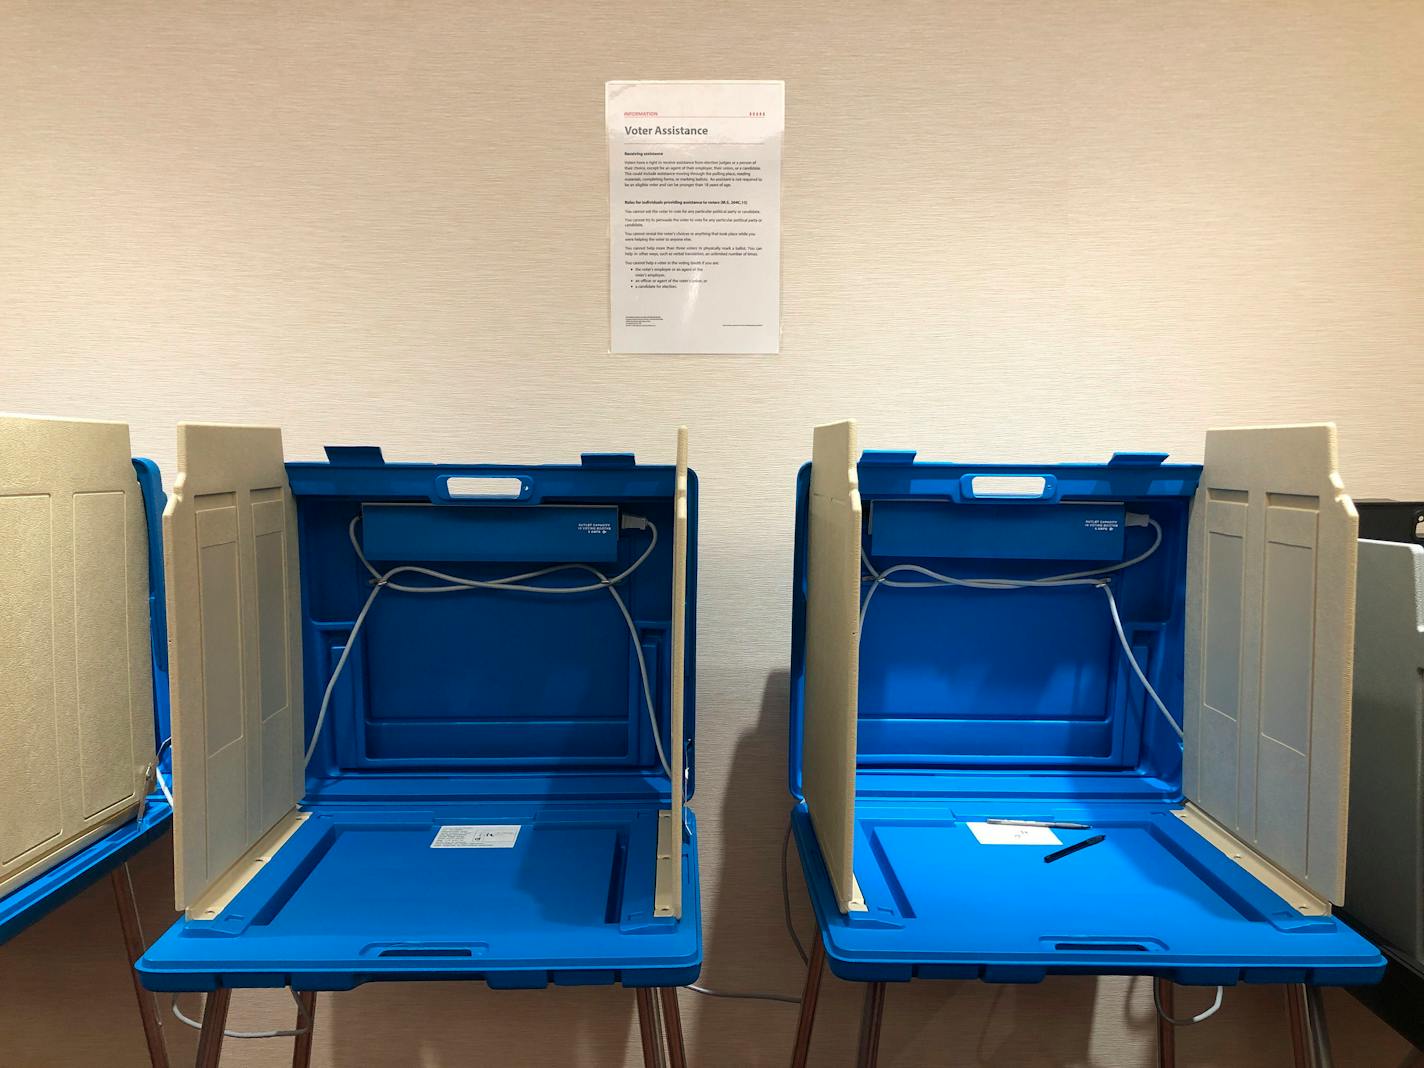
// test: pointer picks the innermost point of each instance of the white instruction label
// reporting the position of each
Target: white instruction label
(476, 836)
(998, 834)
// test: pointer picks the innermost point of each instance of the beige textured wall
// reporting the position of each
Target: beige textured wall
(1028, 231)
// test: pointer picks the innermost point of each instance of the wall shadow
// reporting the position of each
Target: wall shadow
(745, 945)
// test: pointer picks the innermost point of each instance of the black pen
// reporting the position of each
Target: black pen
(1084, 844)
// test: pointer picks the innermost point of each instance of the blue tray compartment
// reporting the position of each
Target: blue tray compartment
(487, 688)
(1019, 703)
(475, 707)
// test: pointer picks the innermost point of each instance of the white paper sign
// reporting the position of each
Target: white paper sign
(694, 184)
(998, 834)
(476, 836)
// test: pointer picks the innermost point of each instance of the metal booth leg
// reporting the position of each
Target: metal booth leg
(306, 1028)
(214, 1020)
(1310, 1038)
(133, 944)
(672, 1025)
(647, 1027)
(1300, 1037)
(1319, 1033)
(871, 1016)
(809, 996)
(1166, 1031)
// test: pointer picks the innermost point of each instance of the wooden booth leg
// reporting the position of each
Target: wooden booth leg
(647, 1027)
(870, 1018)
(1166, 1030)
(133, 943)
(672, 1025)
(214, 1021)
(306, 1028)
(809, 996)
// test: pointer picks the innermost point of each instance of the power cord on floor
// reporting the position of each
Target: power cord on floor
(290, 1033)
(173, 1000)
(1189, 1020)
(784, 999)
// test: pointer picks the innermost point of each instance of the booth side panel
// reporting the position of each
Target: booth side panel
(234, 663)
(1270, 647)
(76, 698)
(1385, 888)
(832, 651)
(668, 897)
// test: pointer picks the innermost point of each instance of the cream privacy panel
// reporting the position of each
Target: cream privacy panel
(1386, 883)
(668, 898)
(1270, 645)
(833, 653)
(230, 546)
(76, 681)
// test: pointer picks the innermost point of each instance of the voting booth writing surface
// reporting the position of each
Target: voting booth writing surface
(497, 769)
(955, 659)
(80, 718)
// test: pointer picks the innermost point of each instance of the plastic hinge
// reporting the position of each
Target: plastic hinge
(888, 456)
(354, 455)
(1137, 459)
(608, 459)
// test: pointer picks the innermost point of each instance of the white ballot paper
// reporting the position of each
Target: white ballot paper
(694, 184)
(998, 834)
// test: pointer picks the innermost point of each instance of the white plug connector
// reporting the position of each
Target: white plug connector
(633, 522)
(1137, 519)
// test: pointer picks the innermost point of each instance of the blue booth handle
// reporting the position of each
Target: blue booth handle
(1004, 488)
(451, 489)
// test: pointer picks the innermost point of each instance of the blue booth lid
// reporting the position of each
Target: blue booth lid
(974, 691)
(483, 692)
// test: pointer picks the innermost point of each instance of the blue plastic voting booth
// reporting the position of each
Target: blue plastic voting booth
(82, 715)
(976, 643)
(415, 738)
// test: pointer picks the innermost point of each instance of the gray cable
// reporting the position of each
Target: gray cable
(1136, 667)
(173, 1002)
(1188, 1020)
(1095, 578)
(292, 1033)
(784, 999)
(515, 583)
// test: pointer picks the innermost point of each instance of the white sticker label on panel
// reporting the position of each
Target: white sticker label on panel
(476, 836)
(996, 834)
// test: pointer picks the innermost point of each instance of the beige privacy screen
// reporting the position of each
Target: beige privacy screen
(230, 543)
(668, 891)
(832, 653)
(76, 679)
(1270, 644)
